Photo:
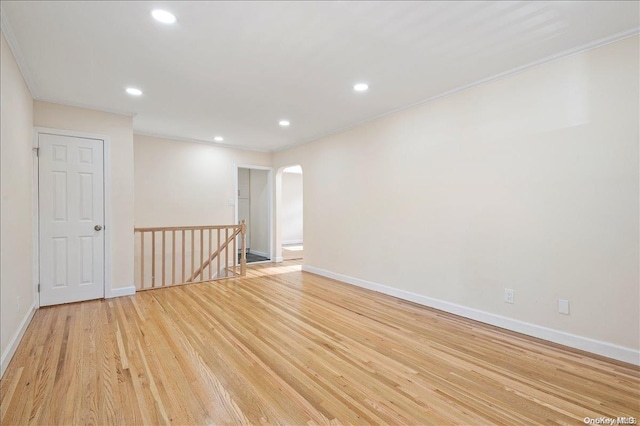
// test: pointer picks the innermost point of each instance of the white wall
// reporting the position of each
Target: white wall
(17, 293)
(259, 204)
(183, 183)
(530, 182)
(119, 128)
(291, 208)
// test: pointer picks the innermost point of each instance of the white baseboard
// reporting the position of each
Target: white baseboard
(606, 349)
(286, 242)
(15, 340)
(279, 259)
(259, 253)
(123, 291)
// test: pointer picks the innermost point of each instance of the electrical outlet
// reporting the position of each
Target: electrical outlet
(508, 295)
(563, 306)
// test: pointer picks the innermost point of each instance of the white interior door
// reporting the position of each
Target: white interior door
(71, 210)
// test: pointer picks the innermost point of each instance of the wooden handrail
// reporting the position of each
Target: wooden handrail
(185, 228)
(209, 240)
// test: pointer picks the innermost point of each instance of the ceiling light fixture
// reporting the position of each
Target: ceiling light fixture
(133, 91)
(284, 123)
(218, 139)
(361, 87)
(163, 16)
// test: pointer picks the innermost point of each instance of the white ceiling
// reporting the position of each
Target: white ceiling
(236, 68)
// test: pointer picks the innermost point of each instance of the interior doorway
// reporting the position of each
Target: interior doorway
(253, 205)
(291, 217)
(71, 217)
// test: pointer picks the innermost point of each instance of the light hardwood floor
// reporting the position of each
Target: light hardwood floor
(283, 346)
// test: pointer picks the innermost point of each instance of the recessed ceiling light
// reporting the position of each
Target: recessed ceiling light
(284, 123)
(133, 91)
(163, 16)
(361, 87)
(218, 139)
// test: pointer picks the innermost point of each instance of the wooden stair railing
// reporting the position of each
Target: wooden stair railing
(215, 254)
(209, 248)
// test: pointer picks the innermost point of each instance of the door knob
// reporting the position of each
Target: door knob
(98, 228)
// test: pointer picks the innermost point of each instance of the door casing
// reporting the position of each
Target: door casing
(107, 205)
(269, 199)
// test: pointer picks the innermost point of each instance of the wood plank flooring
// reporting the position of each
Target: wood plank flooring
(287, 347)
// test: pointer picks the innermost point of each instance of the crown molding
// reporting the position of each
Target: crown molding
(24, 69)
(86, 106)
(5, 26)
(567, 53)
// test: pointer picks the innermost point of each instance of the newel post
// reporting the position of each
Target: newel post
(243, 258)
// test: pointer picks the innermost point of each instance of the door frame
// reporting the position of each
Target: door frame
(106, 149)
(269, 201)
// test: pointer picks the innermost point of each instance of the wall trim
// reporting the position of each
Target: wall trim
(597, 347)
(8, 353)
(17, 53)
(292, 242)
(259, 253)
(35, 219)
(122, 291)
(558, 56)
(86, 106)
(279, 259)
